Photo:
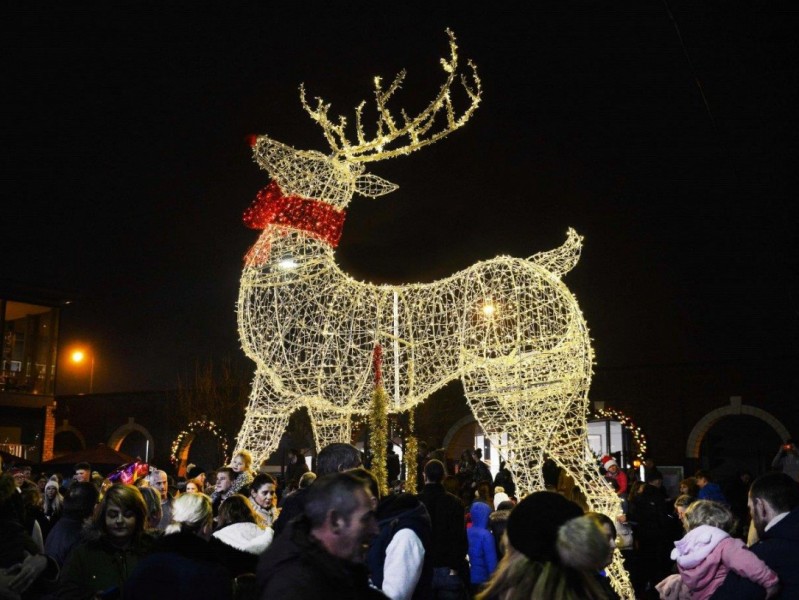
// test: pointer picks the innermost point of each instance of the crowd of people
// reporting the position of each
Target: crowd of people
(236, 533)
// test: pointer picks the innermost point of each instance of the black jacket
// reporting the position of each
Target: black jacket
(449, 545)
(296, 567)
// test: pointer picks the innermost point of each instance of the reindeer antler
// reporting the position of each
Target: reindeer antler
(419, 130)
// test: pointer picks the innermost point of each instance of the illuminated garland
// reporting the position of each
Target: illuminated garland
(411, 449)
(378, 437)
(627, 423)
(508, 328)
(192, 429)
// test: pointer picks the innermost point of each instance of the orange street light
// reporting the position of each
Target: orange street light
(79, 357)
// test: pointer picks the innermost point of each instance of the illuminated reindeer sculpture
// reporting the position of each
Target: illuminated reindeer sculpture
(507, 327)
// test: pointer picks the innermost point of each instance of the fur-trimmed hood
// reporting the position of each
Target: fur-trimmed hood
(247, 537)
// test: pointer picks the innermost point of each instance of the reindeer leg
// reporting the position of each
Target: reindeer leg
(265, 421)
(330, 427)
(569, 449)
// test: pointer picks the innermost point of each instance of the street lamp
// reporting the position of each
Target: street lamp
(79, 357)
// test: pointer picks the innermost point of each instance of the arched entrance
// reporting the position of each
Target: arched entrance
(735, 437)
(211, 451)
(141, 444)
(66, 439)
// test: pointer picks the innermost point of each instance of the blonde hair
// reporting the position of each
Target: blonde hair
(190, 512)
(246, 456)
(707, 512)
(582, 544)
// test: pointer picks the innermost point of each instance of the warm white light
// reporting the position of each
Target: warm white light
(312, 335)
(78, 356)
(287, 264)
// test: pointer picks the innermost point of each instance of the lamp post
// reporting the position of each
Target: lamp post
(79, 357)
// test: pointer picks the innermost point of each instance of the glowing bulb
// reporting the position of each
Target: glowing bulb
(78, 356)
(287, 264)
(488, 310)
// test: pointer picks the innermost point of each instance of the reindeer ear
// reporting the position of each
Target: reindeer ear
(373, 186)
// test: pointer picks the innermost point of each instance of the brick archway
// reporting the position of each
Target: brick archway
(736, 407)
(119, 435)
(66, 427)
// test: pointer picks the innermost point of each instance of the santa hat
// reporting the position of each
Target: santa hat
(608, 462)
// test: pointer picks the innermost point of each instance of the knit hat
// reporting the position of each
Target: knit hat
(608, 462)
(533, 525)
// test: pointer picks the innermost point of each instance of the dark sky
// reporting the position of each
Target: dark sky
(125, 166)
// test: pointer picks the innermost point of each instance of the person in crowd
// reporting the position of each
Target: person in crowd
(53, 503)
(553, 551)
(612, 471)
(195, 486)
(183, 564)
(464, 469)
(23, 568)
(499, 496)
(498, 524)
(449, 544)
(653, 533)
(737, 492)
(35, 520)
(681, 504)
(197, 474)
(238, 541)
(160, 483)
(422, 456)
(482, 548)
(504, 478)
(333, 458)
(481, 471)
(392, 463)
(651, 467)
(66, 534)
(688, 487)
(787, 460)
(263, 497)
(242, 473)
(608, 528)
(323, 551)
(399, 560)
(223, 487)
(708, 489)
(774, 507)
(152, 499)
(707, 553)
(296, 467)
(83, 472)
(116, 543)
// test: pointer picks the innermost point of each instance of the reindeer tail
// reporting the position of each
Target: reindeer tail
(561, 260)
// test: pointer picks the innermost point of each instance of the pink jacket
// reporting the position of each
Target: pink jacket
(706, 554)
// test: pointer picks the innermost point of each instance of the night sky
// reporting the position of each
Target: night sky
(126, 168)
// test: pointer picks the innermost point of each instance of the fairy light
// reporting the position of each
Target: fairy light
(638, 435)
(312, 329)
(191, 430)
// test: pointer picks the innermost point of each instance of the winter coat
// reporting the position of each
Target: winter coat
(779, 549)
(182, 565)
(64, 536)
(449, 543)
(293, 507)
(239, 545)
(404, 527)
(706, 554)
(712, 491)
(96, 566)
(296, 567)
(482, 552)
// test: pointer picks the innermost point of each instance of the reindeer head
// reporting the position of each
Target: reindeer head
(334, 178)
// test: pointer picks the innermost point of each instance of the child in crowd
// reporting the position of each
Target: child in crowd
(707, 553)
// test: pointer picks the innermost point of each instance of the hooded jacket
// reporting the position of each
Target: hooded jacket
(239, 545)
(482, 552)
(706, 554)
(411, 570)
